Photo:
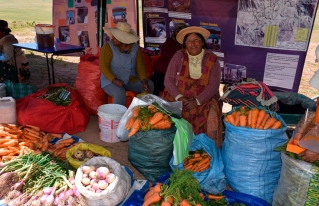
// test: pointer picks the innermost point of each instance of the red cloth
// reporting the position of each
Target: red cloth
(169, 48)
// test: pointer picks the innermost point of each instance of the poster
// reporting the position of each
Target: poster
(243, 32)
(76, 20)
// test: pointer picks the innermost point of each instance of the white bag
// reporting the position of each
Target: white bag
(115, 192)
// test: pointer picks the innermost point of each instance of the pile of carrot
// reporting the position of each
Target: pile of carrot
(16, 141)
(197, 161)
(254, 118)
(146, 118)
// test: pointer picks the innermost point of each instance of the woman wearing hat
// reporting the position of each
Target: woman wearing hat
(7, 60)
(122, 64)
(193, 77)
(169, 48)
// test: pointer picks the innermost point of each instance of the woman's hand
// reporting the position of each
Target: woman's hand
(190, 104)
(309, 156)
(145, 86)
(118, 82)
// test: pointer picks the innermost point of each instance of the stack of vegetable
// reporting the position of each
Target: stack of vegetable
(182, 189)
(253, 118)
(38, 179)
(197, 161)
(60, 96)
(97, 179)
(146, 118)
(15, 141)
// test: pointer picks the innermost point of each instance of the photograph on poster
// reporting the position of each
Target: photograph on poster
(79, 3)
(214, 40)
(153, 3)
(119, 14)
(64, 34)
(70, 14)
(156, 27)
(83, 37)
(179, 5)
(83, 15)
(172, 26)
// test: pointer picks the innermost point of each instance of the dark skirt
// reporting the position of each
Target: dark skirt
(9, 71)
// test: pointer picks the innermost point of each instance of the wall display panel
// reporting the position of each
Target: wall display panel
(268, 38)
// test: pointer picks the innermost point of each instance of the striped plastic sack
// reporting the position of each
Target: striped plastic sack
(18, 90)
(183, 139)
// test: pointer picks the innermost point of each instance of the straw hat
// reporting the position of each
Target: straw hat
(122, 32)
(192, 29)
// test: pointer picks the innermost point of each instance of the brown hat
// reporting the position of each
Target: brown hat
(192, 29)
(122, 32)
(4, 26)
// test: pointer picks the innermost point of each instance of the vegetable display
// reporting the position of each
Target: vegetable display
(181, 188)
(38, 179)
(83, 155)
(253, 118)
(60, 96)
(97, 179)
(146, 118)
(15, 141)
(197, 161)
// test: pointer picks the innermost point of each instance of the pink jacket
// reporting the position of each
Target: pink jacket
(175, 66)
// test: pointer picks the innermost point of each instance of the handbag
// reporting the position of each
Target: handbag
(18, 90)
(250, 93)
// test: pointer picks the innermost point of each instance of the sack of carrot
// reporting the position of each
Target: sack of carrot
(254, 118)
(145, 118)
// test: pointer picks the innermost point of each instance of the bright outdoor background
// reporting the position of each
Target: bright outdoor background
(23, 15)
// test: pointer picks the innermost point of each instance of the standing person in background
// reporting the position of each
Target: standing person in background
(7, 60)
(169, 48)
(193, 77)
(122, 64)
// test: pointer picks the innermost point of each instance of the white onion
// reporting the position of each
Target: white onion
(93, 174)
(85, 181)
(88, 169)
(95, 186)
(93, 181)
(47, 190)
(85, 175)
(102, 184)
(102, 172)
(43, 198)
(110, 178)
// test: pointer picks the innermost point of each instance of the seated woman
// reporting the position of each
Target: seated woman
(122, 64)
(193, 77)
(7, 60)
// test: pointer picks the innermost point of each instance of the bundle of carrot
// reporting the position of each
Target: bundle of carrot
(197, 161)
(16, 141)
(146, 118)
(254, 118)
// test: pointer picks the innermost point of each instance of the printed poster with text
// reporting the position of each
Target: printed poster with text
(76, 21)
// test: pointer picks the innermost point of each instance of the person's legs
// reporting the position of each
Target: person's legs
(158, 80)
(137, 87)
(118, 93)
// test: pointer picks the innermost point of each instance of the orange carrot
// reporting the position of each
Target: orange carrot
(204, 161)
(152, 108)
(33, 127)
(226, 118)
(184, 203)
(231, 119)
(237, 117)
(260, 117)
(11, 143)
(155, 197)
(66, 141)
(4, 152)
(270, 122)
(166, 203)
(4, 140)
(136, 111)
(158, 116)
(215, 197)
(243, 120)
(276, 125)
(254, 117)
(162, 124)
(266, 117)
(149, 193)
(157, 187)
(136, 126)
(249, 118)
(129, 123)
(56, 135)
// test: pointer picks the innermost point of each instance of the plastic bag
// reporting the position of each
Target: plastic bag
(174, 107)
(96, 149)
(252, 166)
(211, 180)
(150, 152)
(115, 192)
(51, 118)
(298, 183)
(87, 82)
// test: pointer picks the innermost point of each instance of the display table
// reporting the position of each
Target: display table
(58, 49)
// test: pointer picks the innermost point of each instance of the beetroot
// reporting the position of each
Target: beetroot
(7, 180)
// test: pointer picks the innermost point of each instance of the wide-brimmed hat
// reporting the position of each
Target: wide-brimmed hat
(4, 26)
(192, 29)
(122, 32)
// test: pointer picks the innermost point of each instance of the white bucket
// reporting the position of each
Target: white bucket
(2, 90)
(8, 112)
(109, 118)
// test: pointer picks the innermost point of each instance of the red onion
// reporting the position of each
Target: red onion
(110, 178)
(47, 190)
(102, 172)
(102, 184)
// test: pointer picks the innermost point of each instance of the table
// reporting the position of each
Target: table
(58, 49)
